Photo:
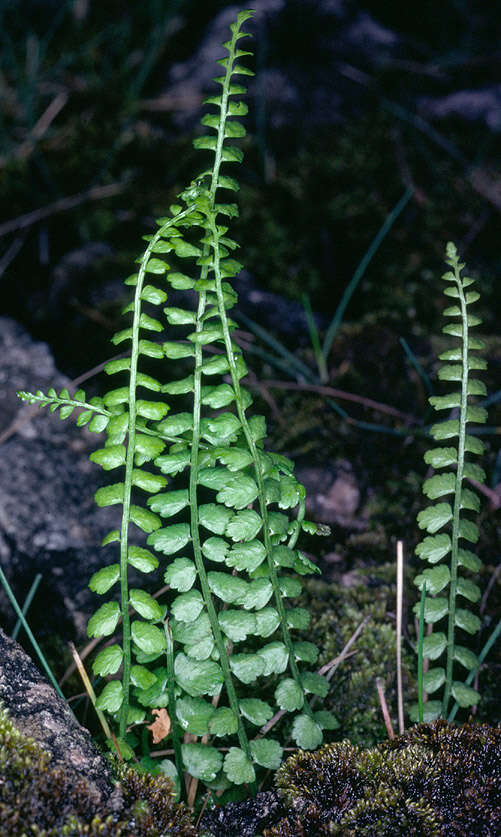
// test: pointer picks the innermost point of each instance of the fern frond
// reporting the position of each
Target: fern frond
(451, 516)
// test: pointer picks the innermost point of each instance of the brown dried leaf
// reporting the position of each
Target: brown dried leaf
(160, 727)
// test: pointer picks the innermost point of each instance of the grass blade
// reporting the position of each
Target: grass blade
(362, 267)
(27, 604)
(28, 630)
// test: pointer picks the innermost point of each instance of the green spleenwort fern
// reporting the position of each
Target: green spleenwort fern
(447, 521)
(227, 507)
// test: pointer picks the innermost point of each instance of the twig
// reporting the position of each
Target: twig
(202, 809)
(88, 688)
(342, 395)
(489, 587)
(329, 668)
(491, 494)
(96, 193)
(384, 708)
(400, 590)
(255, 383)
(39, 129)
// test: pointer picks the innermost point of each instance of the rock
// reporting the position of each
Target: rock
(38, 712)
(53, 780)
(481, 105)
(332, 494)
(49, 523)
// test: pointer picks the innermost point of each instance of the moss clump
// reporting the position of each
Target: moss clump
(436, 780)
(44, 801)
(336, 613)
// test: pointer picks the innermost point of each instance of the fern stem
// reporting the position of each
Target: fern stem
(197, 550)
(257, 469)
(420, 654)
(129, 466)
(172, 702)
(457, 495)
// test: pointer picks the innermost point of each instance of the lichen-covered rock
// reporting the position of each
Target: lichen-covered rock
(436, 780)
(44, 800)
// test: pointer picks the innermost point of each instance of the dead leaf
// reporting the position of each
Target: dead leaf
(160, 726)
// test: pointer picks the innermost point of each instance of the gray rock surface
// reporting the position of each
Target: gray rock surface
(38, 712)
(333, 494)
(49, 523)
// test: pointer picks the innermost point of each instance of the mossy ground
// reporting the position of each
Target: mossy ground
(39, 799)
(435, 781)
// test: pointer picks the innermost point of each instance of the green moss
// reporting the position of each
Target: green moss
(435, 780)
(39, 799)
(336, 613)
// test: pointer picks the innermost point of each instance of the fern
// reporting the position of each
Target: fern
(215, 499)
(447, 521)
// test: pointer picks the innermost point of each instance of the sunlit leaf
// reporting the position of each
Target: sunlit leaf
(238, 767)
(194, 714)
(145, 605)
(246, 556)
(171, 539)
(435, 578)
(110, 699)
(306, 733)
(435, 548)
(237, 624)
(203, 677)
(108, 661)
(267, 752)
(433, 679)
(142, 559)
(148, 638)
(434, 645)
(223, 722)
(434, 517)
(239, 491)
(467, 621)
(214, 517)
(215, 549)
(246, 667)
(104, 620)
(181, 574)
(244, 525)
(256, 711)
(187, 606)
(105, 578)
(201, 761)
(465, 695)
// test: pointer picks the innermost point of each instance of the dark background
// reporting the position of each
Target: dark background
(352, 103)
